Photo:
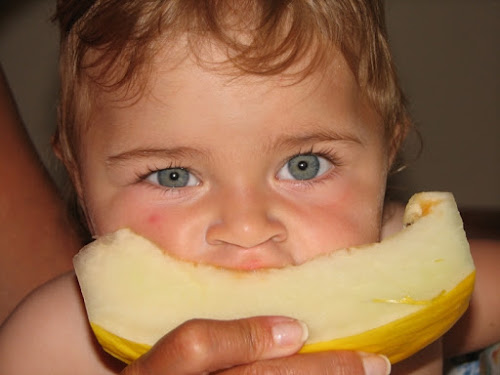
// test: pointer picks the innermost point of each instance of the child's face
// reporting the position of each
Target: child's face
(241, 173)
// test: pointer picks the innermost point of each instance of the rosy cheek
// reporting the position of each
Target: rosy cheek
(154, 219)
(339, 220)
(151, 224)
(159, 226)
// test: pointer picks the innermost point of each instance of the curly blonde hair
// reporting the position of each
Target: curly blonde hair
(108, 43)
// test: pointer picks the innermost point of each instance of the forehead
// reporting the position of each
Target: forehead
(172, 67)
(183, 91)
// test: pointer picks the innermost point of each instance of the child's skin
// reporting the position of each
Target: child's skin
(230, 141)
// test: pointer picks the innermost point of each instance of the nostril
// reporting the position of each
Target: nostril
(279, 237)
(245, 234)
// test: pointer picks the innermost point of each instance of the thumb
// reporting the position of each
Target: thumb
(201, 346)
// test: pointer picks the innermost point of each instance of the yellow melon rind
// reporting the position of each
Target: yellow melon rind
(123, 349)
(414, 331)
(397, 340)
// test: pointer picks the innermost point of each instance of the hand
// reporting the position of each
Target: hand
(259, 345)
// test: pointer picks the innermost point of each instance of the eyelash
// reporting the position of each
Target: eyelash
(327, 153)
(142, 175)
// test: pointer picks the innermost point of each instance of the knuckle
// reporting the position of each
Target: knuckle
(256, 340)
(193, 342)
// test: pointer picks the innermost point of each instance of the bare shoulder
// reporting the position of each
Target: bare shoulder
(48, 333)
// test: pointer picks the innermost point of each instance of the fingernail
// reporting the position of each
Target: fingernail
(376, 364)
(290, 333)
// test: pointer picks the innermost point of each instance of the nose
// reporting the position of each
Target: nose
(245, 219)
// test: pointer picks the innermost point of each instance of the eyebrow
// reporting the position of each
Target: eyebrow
(146, 153)
(282, 142)
(309, 137)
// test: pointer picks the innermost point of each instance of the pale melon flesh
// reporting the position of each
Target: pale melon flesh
(392, 297)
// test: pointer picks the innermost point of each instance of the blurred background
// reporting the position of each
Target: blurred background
(447, 55)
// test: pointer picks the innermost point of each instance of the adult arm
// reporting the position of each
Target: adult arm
(37, 241)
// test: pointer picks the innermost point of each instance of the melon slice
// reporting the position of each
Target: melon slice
(393, 297)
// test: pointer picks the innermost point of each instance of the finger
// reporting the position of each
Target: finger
(201, 346)
(325, 363)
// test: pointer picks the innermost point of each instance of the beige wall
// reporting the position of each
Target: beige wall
(446, 52)
(28, 54)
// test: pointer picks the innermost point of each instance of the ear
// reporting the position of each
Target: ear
(396, 139)
(68, 160)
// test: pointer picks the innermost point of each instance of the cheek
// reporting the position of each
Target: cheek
(154, 219)
(165, 225)
(348, 220)
(156, 225)
(348, 216)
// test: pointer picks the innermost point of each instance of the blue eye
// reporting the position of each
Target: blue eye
(173, 178)
(304, 167)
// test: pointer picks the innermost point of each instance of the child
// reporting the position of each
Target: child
(244, 134)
